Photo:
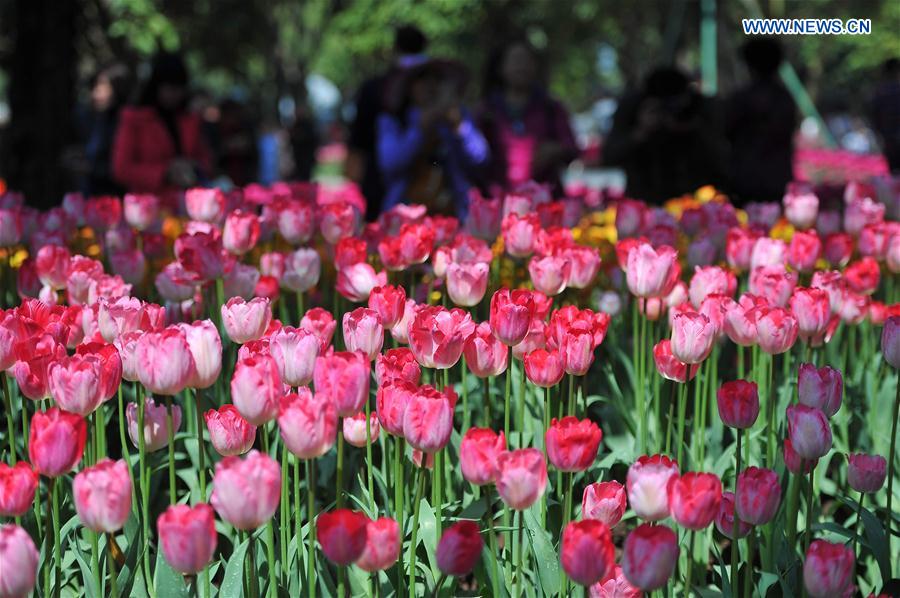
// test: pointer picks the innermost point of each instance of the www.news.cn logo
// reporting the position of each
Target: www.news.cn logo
(807, 26)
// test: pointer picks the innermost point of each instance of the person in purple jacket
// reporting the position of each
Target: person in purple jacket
(528, 131)
(430, 151)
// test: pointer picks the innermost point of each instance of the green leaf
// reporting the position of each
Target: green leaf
(544, 554)
(232, 583)
(168, 581)
(877, 541)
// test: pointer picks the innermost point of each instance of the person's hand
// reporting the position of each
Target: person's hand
(181, 173)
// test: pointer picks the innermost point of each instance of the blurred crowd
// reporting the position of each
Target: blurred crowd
(422, 131)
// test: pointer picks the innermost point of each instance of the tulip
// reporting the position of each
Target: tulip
(229, 433)
(205, 205)
(256, 388)
(572, 443)
(521, 477)
(343, 377)
(767, 252)
(246, 491)
(187, 536)
(694, 499)
(866, 473)
(302, 269)
(140, 210)
(10, 227)
(812, 308)
(389, 302)
(20, 562)
(202, 254)
(828, 569)
(649, 271)
(459, 548)
(56, 441)
(776, 329)
(400, 330)
(485, 354)
(246, 321)
(774, 283)
(52, 264)
(668, 366)
(801, 209)
(647, 483)
(511, 315)
(738, 403)
(692, 337)
(631, 217)
(436, 336)
(604, 501)
(725, 519)
(650, 555)
(710, 280)
(295, 221)
(338, 220)
(17, 487)
(206, 349)
(809, 431)
(758, 495)
(342, 534)
(544, 368)
(75, 383)
(467, 283)
(391, 402)
(794, 462)
(354, 429)
(739, 247)
(804, 251)
(240, 233)
(863, 276)
(155, 427)
(349, 251)
(308, 423)
(382, 545)
(838, 249)
(614, 585)
(585, 264)
(428, 418)
(519, 233)
(397, 364)
(164, 362)
(890, 341)
(586, 552)
(820, 388)
(322, 324)
(102, 495)
(294, 351)
(478, 452)
(81, 273)
(357, 281)
(549, 274)
(363, 332)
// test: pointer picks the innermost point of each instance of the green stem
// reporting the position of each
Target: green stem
(125, 452)
(463, 374)
(339, 476)
(300, 308)
(342, 575)
(298, 521)
(145, 490)
(438, 481)
(170, 433)
(809, 512)
(640, 398)
(520, 570)
(793, 510)
(571, 401)
(492, 541)
(369, 463)
(95, 561)
(690, 564)
(270, 556)
(673, 399)
(420, 487)
(751, 547)
(253, 576)
(859, 508)
(10, 427)
(567, 516)
(311, 534)
(770, 408)
(892, 454)
(57, 550)
(508, 376)
(111, 563)
(520, 411)
(284, 524)
(734, 527)
(682, 407)
(201, 448)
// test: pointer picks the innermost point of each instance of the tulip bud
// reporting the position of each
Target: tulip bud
(649, 271)
(809, 431)
(511, 315)
(866, 473)
(17, 487)
(725, 518)
(20, 561)
(354, 429)
(668, 366)
(308, 423)
(572, 443)
(436, 335)
(382, 545)
(187, 536)
(478, 452)
(246, 491)
(820, 388)
(229, 433)
(302, 269)
(459, 548)
(828, 569)
(56, 441)
(587, 553)
(776, 330)
(363, 331)
(758, 495)
(356, 282)
(102, 496)
(521, 477)
(75, 383)
(467, 283)
(428, 419)
(240, 233)
(738, 403)
(604, 501)
(164, 361)
(647, 483)
(549, 274)
(694, 499)
(155, 426)
(650, 555)
(342, 534)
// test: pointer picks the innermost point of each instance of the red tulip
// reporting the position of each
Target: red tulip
(363, 331)
(322, 324)
(308, 423)
(820, 388)
(694, 499)
(17, 487)
(544, 368)
(57, 441)
(649, 271)
(52, 264)
(828, 569)
(776, 330)
(187, 536)
(521, 477)
(809, 431)
(692, 337)
(467, 282)
(102, 495)
(668, 366)
(428, 418)
(396, 364)
(738, 403)
(866, 473)
(725, 518)
(246, 490)
(382, 545)
(863, 276)
(459, 548)
(436, 336)
(389, 302)
(20, 561)
(391, 402)
(647, 483)
(604, 501)
(890, 341)
(511, 315)
(354, 429)
(357, 281)
(342, 534)
(838, 249)
(349, 251)
(572, 443)
(229, 433)
(155, 427)
(478, 452)
(758, 495)
(485, 354)
(343, 377)
(650, 555)
(587, 553)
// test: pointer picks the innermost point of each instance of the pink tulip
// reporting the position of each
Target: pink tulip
(758, 495)
(294, 351)
(102, 495)
(140, 210)
(650, 555)
(246, 320)
(511, 315)
(820, 388)
(187, 536)
(436, 336)
(246, 490)
(544, 368)
(17, 487)
(585, 264)
(478, 452)
(809, 431)
(801, 209)
(710, 280)
(206, 349)
(604, 501)
(56, 441)
(694, 499)
(240, 233)
(668, 366)
(164, 361)
(363, 332)
(343, 377)
(812, 309)
(725, 519)
(828, 569)
(354, 429)
(467, 283)
(400, 330)
(649, 271)
(75, 383)
(20, 561)
(741, 317)
(205, 205)
(392, 400)
(389, 302)
(382, 545)
(229, 433)
(647, 482)
(520, 233)
(396, 364)
(428, 418)
(357, 281)
(485, 354)
(155, 425)
(804, 251)
(321, 323)
(521, 477)
(866, 473)
(587, 553)
(768, 252)
(302, 269)
(549, 274)
(295, 221)
(774, 283)
(776, 330)
(52, 264)
(692, 337)
(308, 423)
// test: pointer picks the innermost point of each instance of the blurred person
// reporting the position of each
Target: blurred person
(760, 121)
(884, 112)
(362, 160)
(159, 146)
(429, 148)
(304, 140)
(237, 156)
(528, 131)
(666, 138)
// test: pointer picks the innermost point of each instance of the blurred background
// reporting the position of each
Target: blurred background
(277, 83)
